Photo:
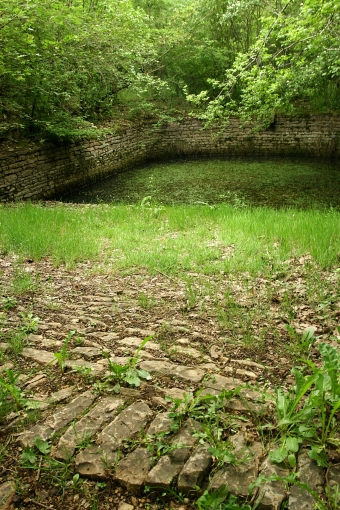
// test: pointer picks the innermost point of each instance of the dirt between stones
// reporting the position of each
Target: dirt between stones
(101, 446)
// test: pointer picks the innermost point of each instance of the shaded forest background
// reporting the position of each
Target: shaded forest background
(75, 68)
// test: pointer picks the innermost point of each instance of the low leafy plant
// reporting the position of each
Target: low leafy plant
(63, 355)
(128, 373)
(29, 323)
(12, 398)
(8, 303)
(219, 500)
(307, 412)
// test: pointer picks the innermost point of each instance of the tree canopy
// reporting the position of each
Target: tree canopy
(67, 66)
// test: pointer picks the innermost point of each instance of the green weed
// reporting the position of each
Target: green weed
(8, 303)
(63, 355)
(128, 373)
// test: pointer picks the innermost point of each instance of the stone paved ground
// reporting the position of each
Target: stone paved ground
(121, 442)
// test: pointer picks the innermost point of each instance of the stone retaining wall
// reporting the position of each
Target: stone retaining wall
(46, 171)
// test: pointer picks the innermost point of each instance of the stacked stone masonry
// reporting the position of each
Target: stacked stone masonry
(47, 171)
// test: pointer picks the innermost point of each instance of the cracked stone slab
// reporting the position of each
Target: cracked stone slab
(110, 337)
(40, 430)
(271, 494)
(164, 472)
(167, 368)
(195, 470)
(132, 471)
(39, 356)
(185, 439)
(219, 382)
(188, 351)
(310, 474)
(87, 352)
(96, 461)
(141, 332)
(58, 420)
(70, 411)
(161, 423)
(96, 368)
(87, 427)
(130, 421)
(135, 342)
(51, 344)
(7, 493)
(238, 478)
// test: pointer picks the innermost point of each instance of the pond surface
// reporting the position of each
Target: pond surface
(271, 183)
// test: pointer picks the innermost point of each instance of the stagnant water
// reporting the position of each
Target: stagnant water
(272, 183)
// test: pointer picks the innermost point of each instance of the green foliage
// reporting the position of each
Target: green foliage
(292, 65)
(128, 373)
(62, 355)
(8, 303)
(306, 414)
(12, 398)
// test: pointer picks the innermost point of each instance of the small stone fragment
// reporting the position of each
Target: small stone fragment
(132, 471)
(195, 470)
(271, 494)
(135, 342)
(216, 352)
(7, 492)
(39, 356)
(32, 383)
(125, 506)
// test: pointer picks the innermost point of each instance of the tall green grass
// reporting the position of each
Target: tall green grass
(171, 239)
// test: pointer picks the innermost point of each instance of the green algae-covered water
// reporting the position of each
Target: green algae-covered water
(242, 182)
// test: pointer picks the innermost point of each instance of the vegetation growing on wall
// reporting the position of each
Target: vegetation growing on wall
(67, 66)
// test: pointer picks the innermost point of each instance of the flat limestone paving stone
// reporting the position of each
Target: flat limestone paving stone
(87, 352)
(130, 420)
(219, 382)
(195, 470)
(7, 493)
(70, 411)
(161, 423)
(238, 478)
(39, 356)
(58, 420)
(87, 426)
(40, 430)
(96, 368)
(167, 368)
(95, 462)
(271, 494)
(135, 342)
(312, 475)
(132, 471)
(185, 439)
(164, 472)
